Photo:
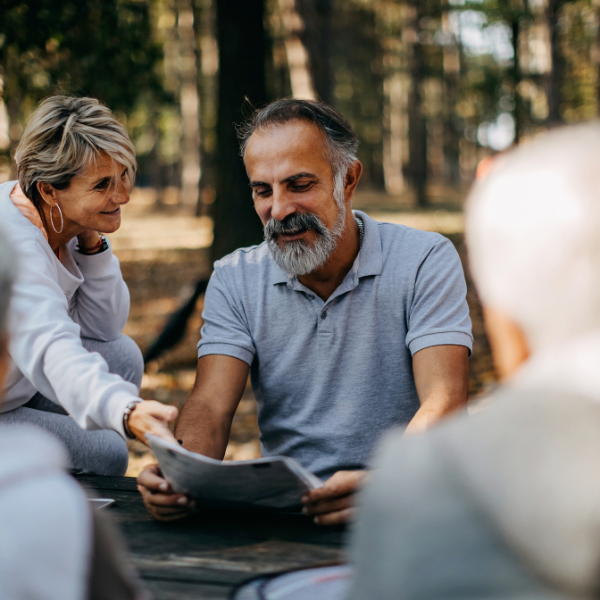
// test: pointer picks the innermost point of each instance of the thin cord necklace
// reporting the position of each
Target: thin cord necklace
(361, 230)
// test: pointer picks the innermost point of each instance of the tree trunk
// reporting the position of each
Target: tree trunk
(301, 80)
(241, 40)
(516, 79)
(451, 66)
(316, 38)
(188, 101)
(207, 70)
(393, 135)
(555, 76)
(596, 58)
(417, 125)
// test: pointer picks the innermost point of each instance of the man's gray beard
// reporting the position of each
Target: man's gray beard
(300, 258)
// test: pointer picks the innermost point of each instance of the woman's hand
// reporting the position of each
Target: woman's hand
(333, 504)
(152, 417)
(88, 239)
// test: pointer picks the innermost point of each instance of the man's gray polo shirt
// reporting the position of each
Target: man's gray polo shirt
(330, 377)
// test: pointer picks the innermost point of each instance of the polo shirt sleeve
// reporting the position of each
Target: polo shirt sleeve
(438, 314)
(225, 330)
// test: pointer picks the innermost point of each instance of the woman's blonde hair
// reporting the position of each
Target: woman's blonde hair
(64, 137)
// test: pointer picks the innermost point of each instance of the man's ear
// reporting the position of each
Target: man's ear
(47, 192)
(352, 178)
(508, 343)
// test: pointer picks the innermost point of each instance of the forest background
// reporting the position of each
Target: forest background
(432, 87)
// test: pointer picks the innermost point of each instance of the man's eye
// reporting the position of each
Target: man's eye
(261, 192)
(301, 187)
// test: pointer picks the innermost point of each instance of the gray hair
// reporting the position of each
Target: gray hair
(341, 143)
(8, 273)
(533, 235)
(64, 137)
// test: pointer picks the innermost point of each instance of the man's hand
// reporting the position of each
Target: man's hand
(152, 417)
(160, 500)
(332, 504)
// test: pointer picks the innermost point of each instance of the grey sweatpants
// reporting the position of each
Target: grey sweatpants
(93, 452)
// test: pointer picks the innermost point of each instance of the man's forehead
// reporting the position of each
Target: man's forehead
(296, 147)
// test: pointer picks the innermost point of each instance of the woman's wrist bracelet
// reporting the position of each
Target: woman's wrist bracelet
(99, 247)
(128, 410)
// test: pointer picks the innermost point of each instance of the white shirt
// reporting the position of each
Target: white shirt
(54, 304)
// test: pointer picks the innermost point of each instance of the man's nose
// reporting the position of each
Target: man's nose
(282, 205)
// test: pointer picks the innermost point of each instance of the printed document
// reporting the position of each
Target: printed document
(275, 482)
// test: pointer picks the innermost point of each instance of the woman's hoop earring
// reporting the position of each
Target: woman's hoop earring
(62, 223)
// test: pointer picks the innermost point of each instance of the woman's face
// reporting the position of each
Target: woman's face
(93, 199)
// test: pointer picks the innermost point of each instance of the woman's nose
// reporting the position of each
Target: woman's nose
(122, 193)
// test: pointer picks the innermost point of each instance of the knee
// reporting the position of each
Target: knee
(132, 367)
(122, 355)
(114, 460)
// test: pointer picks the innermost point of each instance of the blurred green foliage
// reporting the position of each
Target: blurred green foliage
(94, 47)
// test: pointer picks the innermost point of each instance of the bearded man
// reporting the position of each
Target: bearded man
(347, 326)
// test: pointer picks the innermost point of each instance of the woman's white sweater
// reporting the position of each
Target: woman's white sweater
(54, 304)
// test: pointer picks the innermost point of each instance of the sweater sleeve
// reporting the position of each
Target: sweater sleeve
(45, 344)
(102, 304)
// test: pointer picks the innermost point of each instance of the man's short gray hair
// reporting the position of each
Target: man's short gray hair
(8, 273)
(341, 143)
(63, 138)
(533, 232)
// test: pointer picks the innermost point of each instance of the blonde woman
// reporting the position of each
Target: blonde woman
(72, 371)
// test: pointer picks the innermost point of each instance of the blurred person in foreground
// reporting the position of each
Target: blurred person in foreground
(506, 504)
(71, 370)
(347, 326)
(52, 546)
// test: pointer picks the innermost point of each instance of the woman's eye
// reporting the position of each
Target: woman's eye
(102, 185)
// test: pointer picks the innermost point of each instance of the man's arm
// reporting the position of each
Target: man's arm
(442, 379)
(203, 427)
(206, 417)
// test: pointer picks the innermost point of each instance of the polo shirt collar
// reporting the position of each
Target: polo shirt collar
(278, 275)
(369, 259)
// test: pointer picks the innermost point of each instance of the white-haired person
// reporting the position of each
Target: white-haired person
(52, 546)
(72, 371)
(504, 503)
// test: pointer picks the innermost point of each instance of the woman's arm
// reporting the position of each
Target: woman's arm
(102, 305)
(46, 345)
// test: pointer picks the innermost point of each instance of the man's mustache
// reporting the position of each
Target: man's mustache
(292, 224)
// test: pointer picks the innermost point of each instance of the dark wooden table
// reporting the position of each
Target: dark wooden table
(208, 555)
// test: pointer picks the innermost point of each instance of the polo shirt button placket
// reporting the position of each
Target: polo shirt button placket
(325, 322)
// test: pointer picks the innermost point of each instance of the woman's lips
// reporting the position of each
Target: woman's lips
(112, 213)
